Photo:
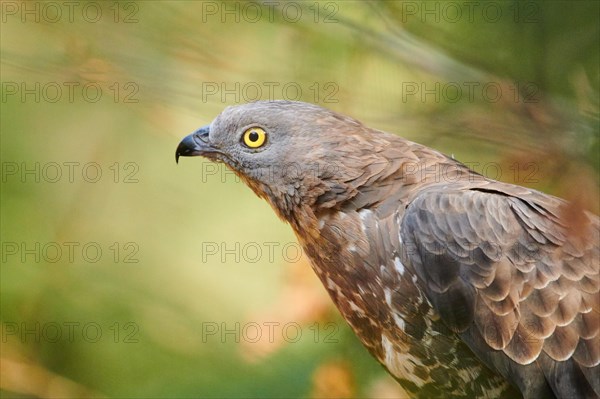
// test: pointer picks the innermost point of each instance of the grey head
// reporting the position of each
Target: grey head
(289, 153)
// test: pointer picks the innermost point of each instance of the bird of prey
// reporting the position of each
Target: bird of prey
(459, 285)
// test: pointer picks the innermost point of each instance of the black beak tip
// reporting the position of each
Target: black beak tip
(177, 155)
(185, 148)
(193, 144)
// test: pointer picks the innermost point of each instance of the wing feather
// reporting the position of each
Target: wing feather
(501, 264)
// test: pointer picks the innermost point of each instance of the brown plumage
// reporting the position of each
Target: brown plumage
(461, 286)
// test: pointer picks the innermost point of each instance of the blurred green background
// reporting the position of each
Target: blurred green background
(125, 275)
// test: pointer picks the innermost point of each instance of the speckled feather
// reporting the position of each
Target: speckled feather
(459, 285)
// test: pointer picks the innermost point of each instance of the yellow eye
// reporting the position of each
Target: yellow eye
(254, 137)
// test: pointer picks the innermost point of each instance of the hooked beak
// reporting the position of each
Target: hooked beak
(195, 144)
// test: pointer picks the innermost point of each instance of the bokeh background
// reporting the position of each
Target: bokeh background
(125, 275)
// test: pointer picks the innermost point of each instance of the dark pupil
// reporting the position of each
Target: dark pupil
(253, 136)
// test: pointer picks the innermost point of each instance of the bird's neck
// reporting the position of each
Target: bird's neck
(383, 178)
(384, 186)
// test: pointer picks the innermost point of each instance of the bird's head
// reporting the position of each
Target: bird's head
(295, 155)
